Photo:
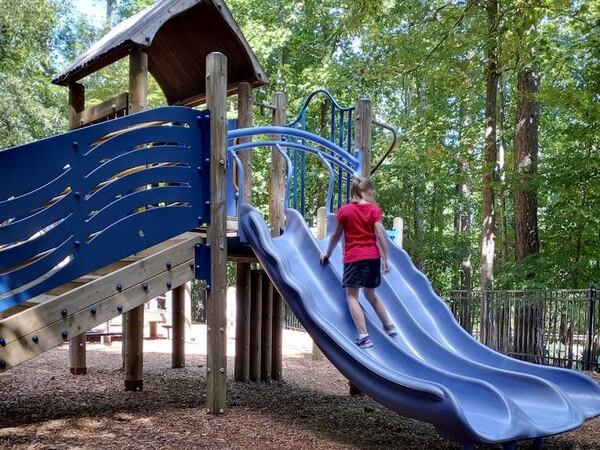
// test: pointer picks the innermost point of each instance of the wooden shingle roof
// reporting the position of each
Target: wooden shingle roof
(177, 35)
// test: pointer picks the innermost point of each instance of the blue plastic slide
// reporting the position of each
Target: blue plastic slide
(433, 370)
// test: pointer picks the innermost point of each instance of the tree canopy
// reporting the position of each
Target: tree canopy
(423, 64)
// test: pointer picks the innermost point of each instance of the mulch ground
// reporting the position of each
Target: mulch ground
(43, 407)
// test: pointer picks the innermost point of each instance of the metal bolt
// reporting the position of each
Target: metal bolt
(191, 264)
(222, 370)
(77, 243)
(208, 287)
(198, 266)
(168, 265)
(64, 313)
(208, 370)
(199, 169)
(119, 287)
(197, 246)
(221, 411)
(75, 144)
(2, 342)
(221, 162)
(2, 364)
(207, 160)
(35, 339)
(169, 285)
(119, 308)
(93, 311)
(207, 202)
(200, 220)
(207, 329)
(221, 246)
(145, 286)
(77, 195)
(64, 334)
(221, 329)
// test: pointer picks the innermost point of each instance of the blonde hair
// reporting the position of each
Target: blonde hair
(360, 185)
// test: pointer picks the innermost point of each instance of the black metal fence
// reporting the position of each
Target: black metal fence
(553, 327)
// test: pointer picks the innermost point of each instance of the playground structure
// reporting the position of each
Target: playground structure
(121, 210)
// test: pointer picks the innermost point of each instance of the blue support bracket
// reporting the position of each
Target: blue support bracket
(202, 263)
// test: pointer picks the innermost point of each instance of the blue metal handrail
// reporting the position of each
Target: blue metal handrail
(285, 131)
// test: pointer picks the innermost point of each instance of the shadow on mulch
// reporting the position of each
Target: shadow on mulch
(313, 402)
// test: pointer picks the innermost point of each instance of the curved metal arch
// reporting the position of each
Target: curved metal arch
(306, 148)
(286, 131)
(313, 94)
(325, 158)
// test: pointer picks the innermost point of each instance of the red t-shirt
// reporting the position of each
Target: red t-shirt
(358, 221)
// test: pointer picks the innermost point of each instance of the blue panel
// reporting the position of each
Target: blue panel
(84, 162)
(129, 183)
(25, 228)
(127, 205)
(44, 241)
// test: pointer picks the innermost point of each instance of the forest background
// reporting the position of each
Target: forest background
(497, 103)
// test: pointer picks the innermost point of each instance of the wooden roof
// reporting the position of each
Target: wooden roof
(177, 35)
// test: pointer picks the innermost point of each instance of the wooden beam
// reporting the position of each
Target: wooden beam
(255, 324)
(178, 306)
(83, 298)
(245, 105)
(277, 218)
(134, 319)
(77, 357)
(242, 323)
(362, 130)
(103, 308)
(267, 328)
(216, 359)
(111, 107)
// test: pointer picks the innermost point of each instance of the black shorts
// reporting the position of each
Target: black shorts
(365, 273)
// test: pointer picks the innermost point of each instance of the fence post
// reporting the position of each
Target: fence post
(587, 363)
(483, 327)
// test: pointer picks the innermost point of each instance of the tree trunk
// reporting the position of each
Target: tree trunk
(486, 275)
(525, 215)
(525, 165)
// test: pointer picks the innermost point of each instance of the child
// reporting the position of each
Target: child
(360, 223)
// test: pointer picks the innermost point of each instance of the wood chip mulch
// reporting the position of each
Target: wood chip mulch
(42, 406)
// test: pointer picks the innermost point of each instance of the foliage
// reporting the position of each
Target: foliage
(422, 64)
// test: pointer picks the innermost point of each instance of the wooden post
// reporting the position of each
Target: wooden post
(267, 328)
(178, 307)
(256, 324)
(245, 103)
(243, 286)
(399, 227)
(134, 319)
(77, 359)
(277, 219)
(242, 323)
(216, 358)
(134, 349)
(321, 234)
(362, 142)
(362, 136)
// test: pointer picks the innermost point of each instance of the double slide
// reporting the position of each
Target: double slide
(432, 370)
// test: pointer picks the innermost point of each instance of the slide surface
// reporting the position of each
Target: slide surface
(433, 370)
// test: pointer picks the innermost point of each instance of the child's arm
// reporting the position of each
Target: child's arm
(337, 235)
(383, 245)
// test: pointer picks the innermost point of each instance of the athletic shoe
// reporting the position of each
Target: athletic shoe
(391, 330)
(364, 342)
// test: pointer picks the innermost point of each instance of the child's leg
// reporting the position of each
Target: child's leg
(378, 307)
(355, 310)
